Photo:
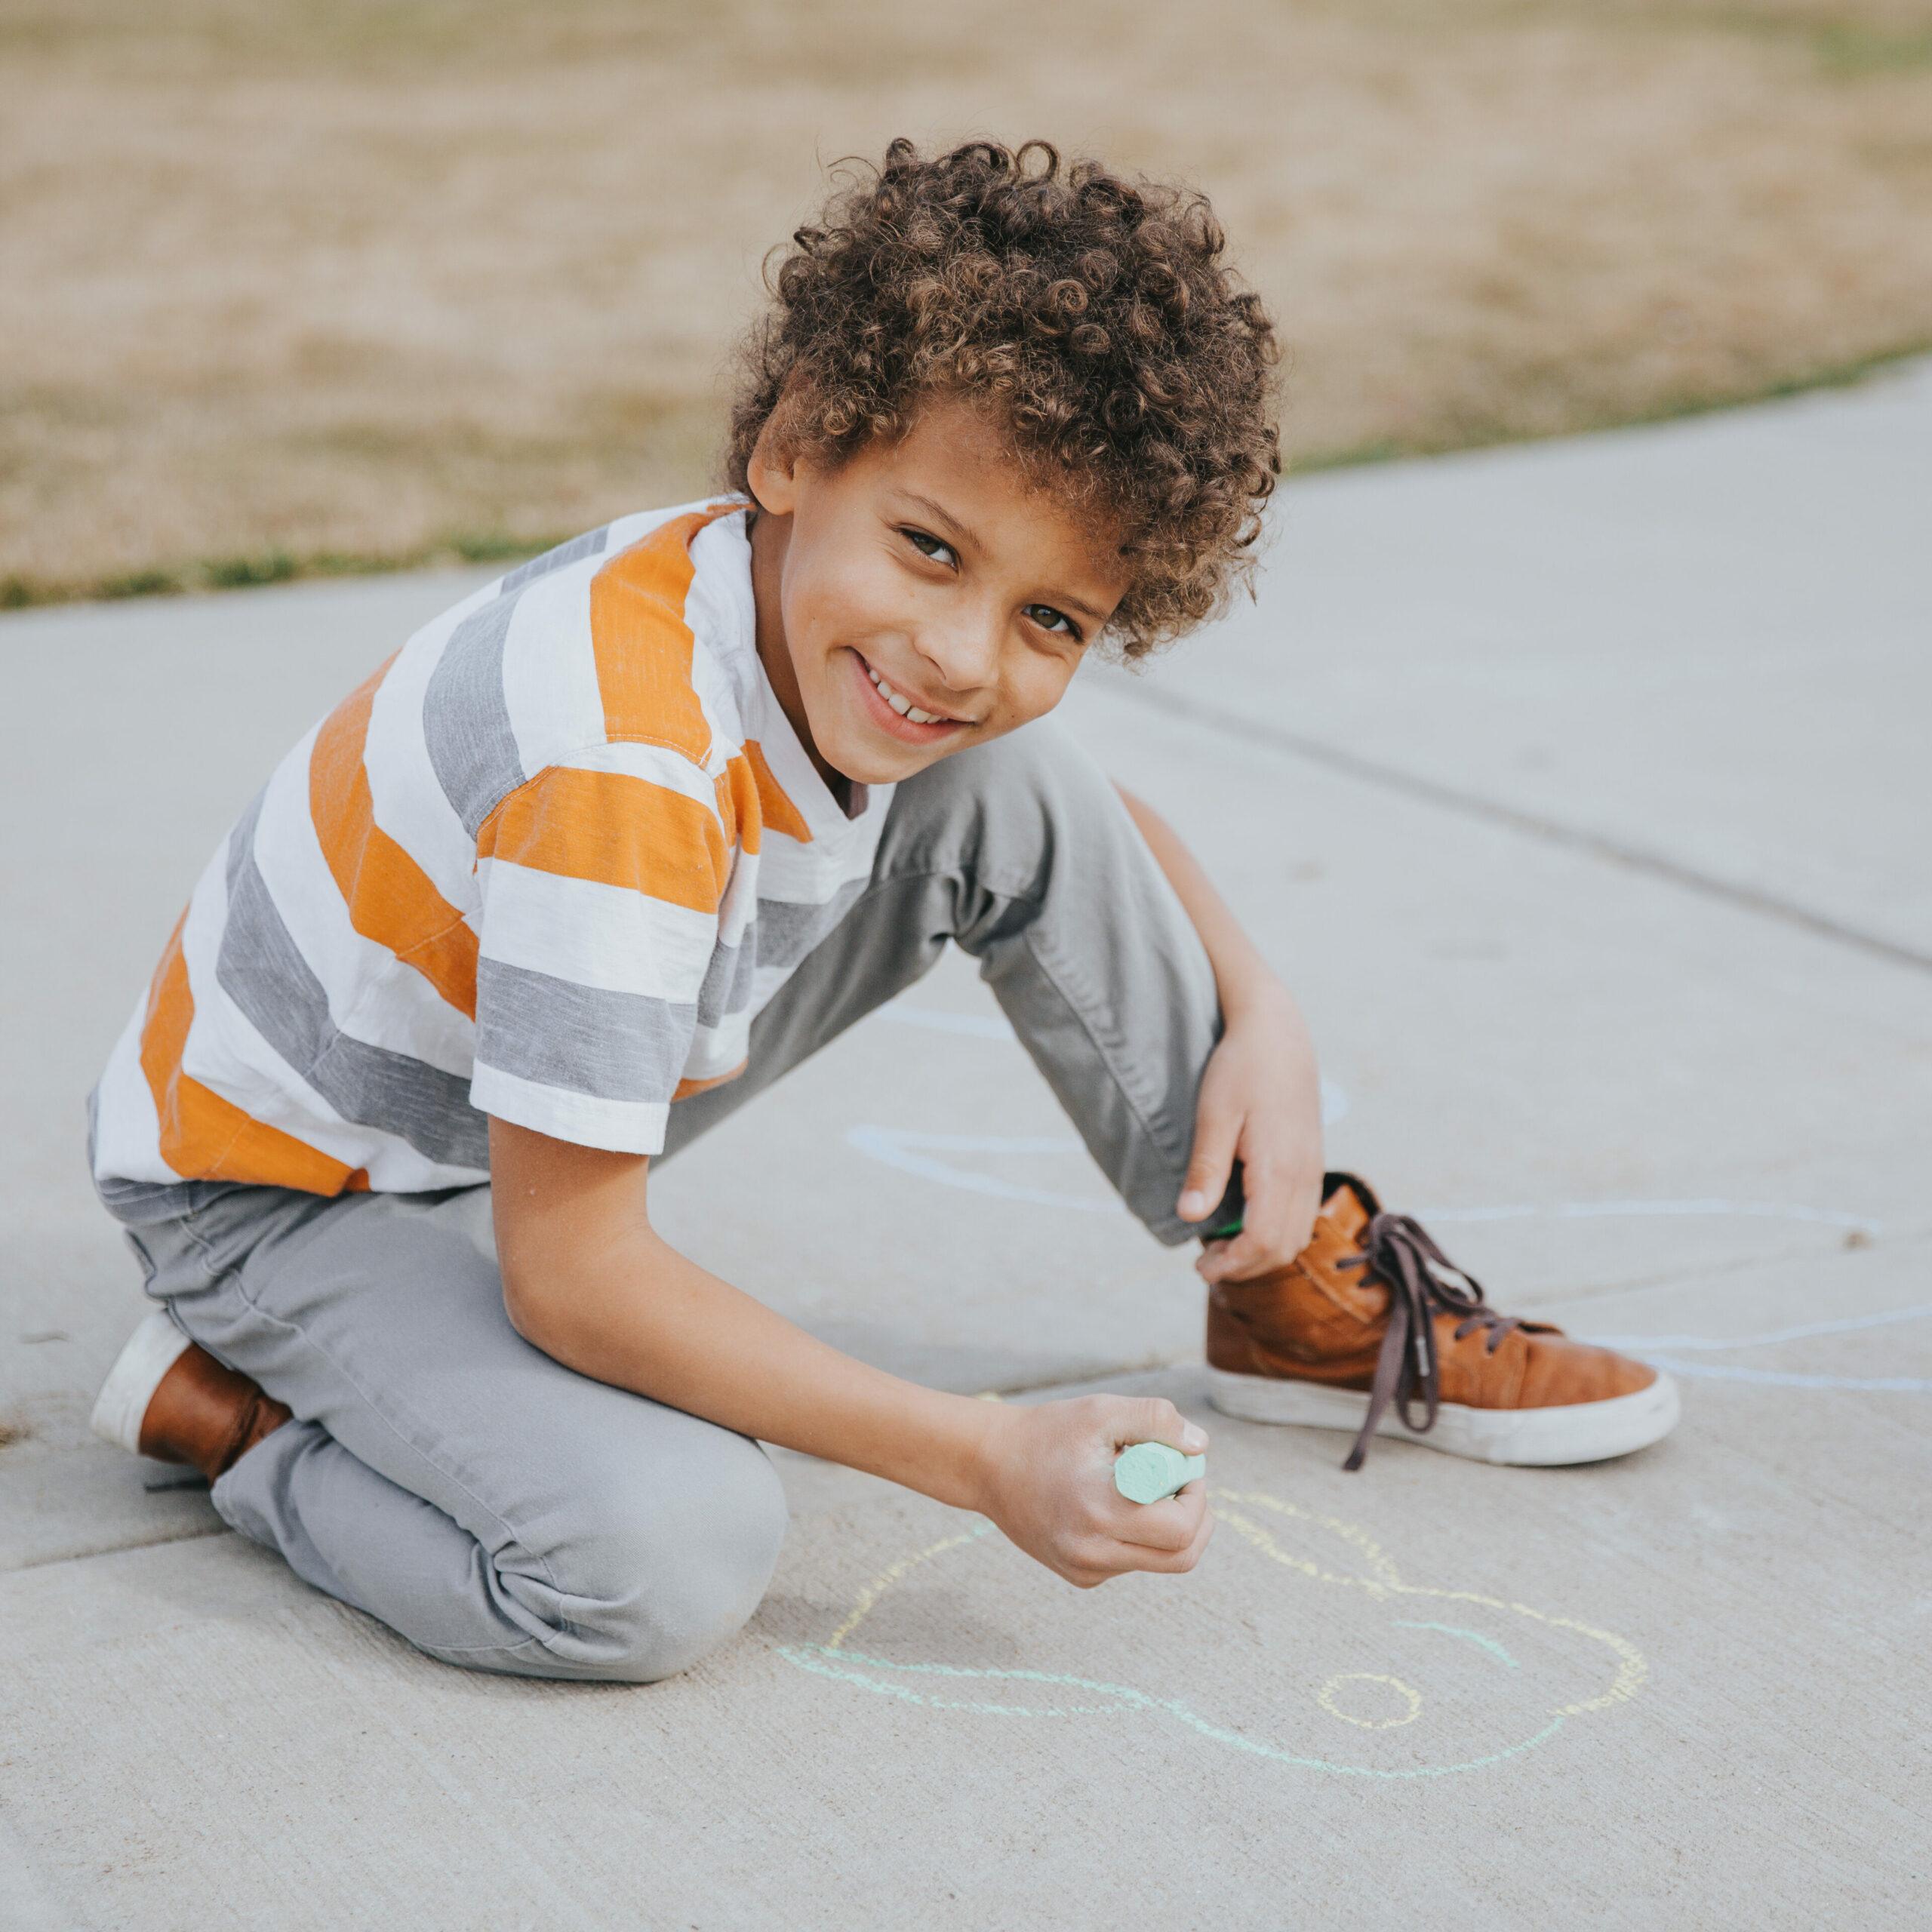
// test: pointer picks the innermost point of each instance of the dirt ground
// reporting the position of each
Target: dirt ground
(290, 287)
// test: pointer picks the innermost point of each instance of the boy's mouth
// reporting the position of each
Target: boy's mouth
(896, 713)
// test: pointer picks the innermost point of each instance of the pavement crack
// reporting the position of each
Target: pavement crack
(116, 1548)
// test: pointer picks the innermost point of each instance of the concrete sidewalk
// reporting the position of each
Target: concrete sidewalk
(1581, 791)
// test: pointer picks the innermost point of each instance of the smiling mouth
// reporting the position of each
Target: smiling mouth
(904, 706)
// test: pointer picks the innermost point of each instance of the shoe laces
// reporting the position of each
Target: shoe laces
(1423, 1283)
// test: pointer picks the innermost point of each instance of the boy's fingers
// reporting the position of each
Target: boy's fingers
(1166, 1526)
(1216, 1135)
(1248, 1253)
(1178, 1561)
(1278, 1227)
(1152, 1419)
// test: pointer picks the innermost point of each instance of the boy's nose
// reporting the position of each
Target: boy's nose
(964, 654)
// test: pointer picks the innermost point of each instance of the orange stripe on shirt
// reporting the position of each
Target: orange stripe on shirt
(203, 1137)
(643, 645)
(616, 829)
(775, 808)
(389, 897)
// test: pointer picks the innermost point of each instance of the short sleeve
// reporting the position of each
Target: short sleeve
(600, 891)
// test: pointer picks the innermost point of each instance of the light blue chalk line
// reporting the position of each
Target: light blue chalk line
(1591, 1210)
(991, 1026)
(912, 1152)
(1772, 1378)
(1637, 1344)
(1451, 1630)
(896, 1147)
(823, 1662)
(1655, 1350)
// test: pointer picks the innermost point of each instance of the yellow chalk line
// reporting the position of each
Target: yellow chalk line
(1631, 1671)
(880, 1584)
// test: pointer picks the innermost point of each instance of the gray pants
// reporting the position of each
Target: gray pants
(499, 1510)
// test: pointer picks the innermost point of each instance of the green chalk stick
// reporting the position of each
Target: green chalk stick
(1151, 1472)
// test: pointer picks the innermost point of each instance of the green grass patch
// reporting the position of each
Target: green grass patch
(494, 548)
(239, 573)
(271, 567)
(1851, 51)
(1671, 409)
(20, 593)
(143, 583)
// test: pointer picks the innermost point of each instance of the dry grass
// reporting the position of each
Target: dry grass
(361, 279)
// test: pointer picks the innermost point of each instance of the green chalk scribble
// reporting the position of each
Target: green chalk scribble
(1450, 1630)
(824, 1662)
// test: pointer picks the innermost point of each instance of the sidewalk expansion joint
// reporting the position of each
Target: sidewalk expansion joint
(1551, 832)
(196, 1535)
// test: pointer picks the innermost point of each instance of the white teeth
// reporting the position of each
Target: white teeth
(904, 706)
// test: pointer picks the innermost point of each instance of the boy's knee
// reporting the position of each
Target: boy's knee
(1040, 768)
(677, 1567)
(1002, 811)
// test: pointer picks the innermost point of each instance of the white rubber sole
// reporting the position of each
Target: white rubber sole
(150, 1351)
(1580, 1433)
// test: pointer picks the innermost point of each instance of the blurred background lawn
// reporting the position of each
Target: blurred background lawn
(294, 286)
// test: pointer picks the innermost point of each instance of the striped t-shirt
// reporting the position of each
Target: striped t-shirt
(546, 864)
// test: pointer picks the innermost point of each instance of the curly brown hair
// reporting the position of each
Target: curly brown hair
(1091, 315)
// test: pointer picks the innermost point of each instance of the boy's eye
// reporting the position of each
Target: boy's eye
(1048, 619)
(928, 545)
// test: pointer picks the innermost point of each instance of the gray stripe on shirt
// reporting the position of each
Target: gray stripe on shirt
(728, 980)
(466, 718)
(135, 1203)
(787, 932)
(582, 1039)
(261, 969)
(590, 544)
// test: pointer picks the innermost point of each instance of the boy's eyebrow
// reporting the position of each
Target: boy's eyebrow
(941, 514)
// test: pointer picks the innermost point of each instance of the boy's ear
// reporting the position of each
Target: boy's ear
(773, 469)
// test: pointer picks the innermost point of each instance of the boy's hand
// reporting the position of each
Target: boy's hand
(1260, 1102)
(1048, 1483)
(1260, 1097)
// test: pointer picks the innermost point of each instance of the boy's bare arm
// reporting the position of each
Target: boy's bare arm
(1261, 1096)
(587, 1280)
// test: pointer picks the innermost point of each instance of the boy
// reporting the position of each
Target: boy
(610, 847)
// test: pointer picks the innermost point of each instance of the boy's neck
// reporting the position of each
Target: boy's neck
(769, 536)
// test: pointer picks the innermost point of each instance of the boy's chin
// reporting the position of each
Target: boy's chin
(870, 766)
(872, 757)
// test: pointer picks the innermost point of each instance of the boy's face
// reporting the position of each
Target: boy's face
(922, 597)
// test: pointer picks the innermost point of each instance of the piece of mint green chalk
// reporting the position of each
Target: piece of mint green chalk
(1151, 1472)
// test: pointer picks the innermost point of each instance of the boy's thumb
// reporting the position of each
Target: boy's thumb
(1207, 1171)
(1152, 1419)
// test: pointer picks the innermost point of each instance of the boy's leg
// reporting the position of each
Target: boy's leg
(497, 1509)
(500, 1511)
(1022, 851)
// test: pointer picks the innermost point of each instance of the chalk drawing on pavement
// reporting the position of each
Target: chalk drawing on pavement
(1667, 1352)
(929, 1157)
(914, 1152)
(1357, 1700)
(992, 1027)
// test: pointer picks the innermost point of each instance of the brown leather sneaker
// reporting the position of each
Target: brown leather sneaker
(1371, 1318)
(167, 1399)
